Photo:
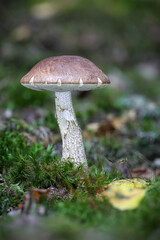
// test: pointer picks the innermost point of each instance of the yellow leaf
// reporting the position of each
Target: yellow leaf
(125, 194)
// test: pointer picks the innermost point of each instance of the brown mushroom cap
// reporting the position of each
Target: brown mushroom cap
(65, 73)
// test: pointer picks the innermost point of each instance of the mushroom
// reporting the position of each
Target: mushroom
(62, 75)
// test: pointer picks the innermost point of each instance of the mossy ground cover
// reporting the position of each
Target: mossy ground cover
(35, 164)
(25, 166)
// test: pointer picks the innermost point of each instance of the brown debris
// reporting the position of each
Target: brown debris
(44, 134)
(34, 197)
(146, 173)
(123, 167)
(31, 114)
(41, 134)
(33, 200)
(29, 138)
(39, 194)
(60, 192)
(110, 124)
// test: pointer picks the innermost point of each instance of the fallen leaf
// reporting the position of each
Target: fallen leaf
(44, 134)
(41, 134)
(146, 173)
(124, 194)
(39, 194)
(110, 124)
(32, 198)
(29, 138)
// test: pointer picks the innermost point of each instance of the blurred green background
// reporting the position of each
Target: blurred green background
(122, 37)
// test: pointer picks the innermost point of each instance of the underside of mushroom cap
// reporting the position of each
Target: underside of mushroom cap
(65, 73)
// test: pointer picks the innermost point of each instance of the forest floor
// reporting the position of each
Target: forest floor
(43, 198)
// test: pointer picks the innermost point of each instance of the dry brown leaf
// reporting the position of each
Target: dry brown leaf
(146, 173)
(39, 194)
(41, 134)
(29, 138)
(34, 197)
(111, 124)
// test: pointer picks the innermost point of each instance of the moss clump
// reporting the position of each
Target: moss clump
(11, 195)
(31, 165)
(27, 166)
(140, 223)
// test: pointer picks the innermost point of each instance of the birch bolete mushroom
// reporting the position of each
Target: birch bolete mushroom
(62, 75)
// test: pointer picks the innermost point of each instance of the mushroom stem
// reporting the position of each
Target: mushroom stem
(72, 142)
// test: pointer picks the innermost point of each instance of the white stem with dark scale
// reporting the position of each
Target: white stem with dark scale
(72, 142)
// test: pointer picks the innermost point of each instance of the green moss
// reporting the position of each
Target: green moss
(74, 218)
(34, 165)
(26, 166)
(132, 224)
(11, 195)
(30, 165)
